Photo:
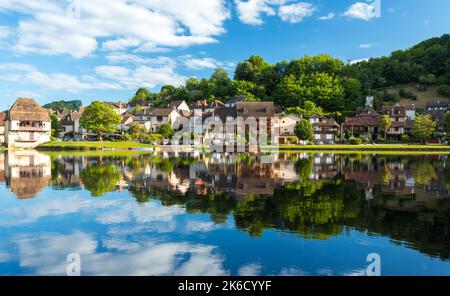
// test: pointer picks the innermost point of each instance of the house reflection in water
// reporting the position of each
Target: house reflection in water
(26, 172)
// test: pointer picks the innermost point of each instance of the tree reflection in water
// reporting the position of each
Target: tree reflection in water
(315, 196)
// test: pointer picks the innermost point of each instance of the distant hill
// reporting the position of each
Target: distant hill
(423, 96)
(64, 105)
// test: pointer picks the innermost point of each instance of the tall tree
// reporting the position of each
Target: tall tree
(424, 127)
(56, 126)
(100, 119)
(386, 124)
(303, 130)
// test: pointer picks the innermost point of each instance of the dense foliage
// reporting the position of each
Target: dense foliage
(323, 80)
(100, 119)
(64, 105)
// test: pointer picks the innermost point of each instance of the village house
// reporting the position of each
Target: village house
(71, 125)
(182, 107)
(26, 124)
(126, 124)
(152, 119)
(286, 125)
(437, 111)
(366, 123)
(118, 107)
(233, 102)
(2, 127)
(326, 130)
(397, 114)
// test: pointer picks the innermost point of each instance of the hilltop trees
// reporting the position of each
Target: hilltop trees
(100, 119)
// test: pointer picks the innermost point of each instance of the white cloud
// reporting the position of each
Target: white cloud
(365, 45)
(45, 254)
(140, 24)
(295, 13)
(107, 77)
(358, 61)
(4, 32)
(327, 17)
(251, 269)
(202, 63)
(141, 76)
(251, 12)
(360, 10)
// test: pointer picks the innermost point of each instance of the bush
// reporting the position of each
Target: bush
(355, 141)
(407, 94)
(444, 90)
(404, 138)
(390, 97)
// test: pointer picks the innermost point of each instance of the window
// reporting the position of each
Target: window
(329, 137)
(317, 137)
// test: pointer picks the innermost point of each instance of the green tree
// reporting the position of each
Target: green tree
(303, 130)
(56, 126)
(447, 122)
(101, 178)
(309, 108)
(142, 94)
(166, 131)
(288, 93)
(424, 127)
(100, 119)
(386, 124)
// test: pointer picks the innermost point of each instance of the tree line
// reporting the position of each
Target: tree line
(326, 81)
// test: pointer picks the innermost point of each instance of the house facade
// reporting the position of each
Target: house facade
(366, 124)
(398, 117)
(27, 124)
(2, 127)
(326, 130)
(71, 125)
(286, 126)
(152, 119)
(437, 111)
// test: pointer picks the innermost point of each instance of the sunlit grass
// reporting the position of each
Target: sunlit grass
(91, 145)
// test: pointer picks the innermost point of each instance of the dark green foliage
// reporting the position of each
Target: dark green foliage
(407, 94)
(444, 90)
(64, 105)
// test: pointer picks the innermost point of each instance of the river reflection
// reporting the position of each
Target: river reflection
(224, 214)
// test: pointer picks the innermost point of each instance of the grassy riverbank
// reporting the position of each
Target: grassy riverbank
(82, 146)
(380, 147)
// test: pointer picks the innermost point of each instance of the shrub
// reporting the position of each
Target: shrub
(444, 90)
(355, 141)
(407, 94)
(387, 97)
(404, 138)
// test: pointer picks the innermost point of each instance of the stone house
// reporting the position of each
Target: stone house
(2, 127)
(27, 124)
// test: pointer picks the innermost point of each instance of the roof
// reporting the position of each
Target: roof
(175, 104)
(367, 111)
(28, 109)
(394, 111)
(438, 104)
(223, 113)
(362, 121)
(200, 104)
(159, 112)
(2, 118)
(126, 118)
(115, 104)
(323, 121)
(255, 109)
(216, 104)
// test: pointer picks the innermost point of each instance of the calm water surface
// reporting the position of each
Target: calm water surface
(215, 214)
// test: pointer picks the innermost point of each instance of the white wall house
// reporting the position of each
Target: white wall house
(27, 124)
(286, 127)
(153, 119)
(2, 128)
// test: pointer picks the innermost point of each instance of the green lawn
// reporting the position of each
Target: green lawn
(55, 146)
(380, 147)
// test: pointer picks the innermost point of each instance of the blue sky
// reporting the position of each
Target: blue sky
(98, 50)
